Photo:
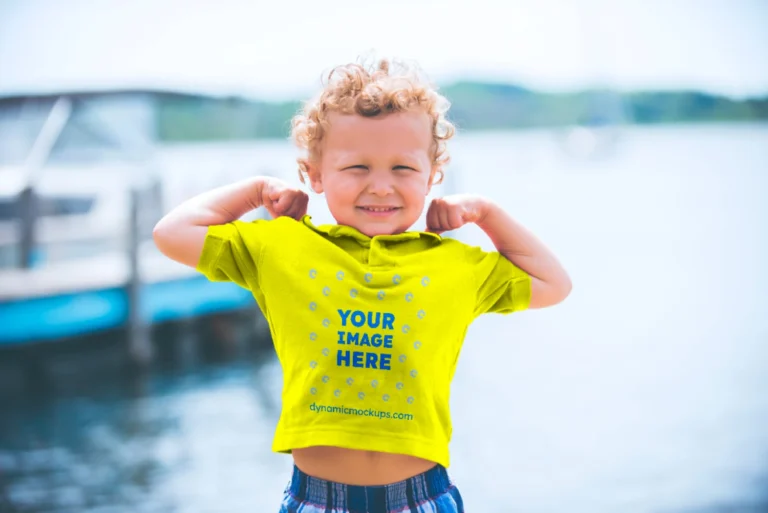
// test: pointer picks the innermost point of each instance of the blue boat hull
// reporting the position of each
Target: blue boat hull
(72, 314)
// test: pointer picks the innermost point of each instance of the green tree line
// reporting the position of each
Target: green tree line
(475, 106)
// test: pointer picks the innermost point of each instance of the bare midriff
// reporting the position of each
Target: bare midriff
(354, 467)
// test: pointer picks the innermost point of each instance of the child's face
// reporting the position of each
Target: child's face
(375, 172)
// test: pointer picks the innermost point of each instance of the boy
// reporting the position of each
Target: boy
(367, 318)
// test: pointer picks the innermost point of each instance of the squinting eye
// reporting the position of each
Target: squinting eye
(355, 167)
(405, 167)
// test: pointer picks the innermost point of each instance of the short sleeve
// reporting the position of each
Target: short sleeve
(502, 287)
(232, 251)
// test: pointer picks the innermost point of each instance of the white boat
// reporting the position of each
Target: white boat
(80, 191)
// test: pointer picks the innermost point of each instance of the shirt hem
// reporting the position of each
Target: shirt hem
(418, 447)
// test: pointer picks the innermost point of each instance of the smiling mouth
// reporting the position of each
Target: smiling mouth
(379, 210)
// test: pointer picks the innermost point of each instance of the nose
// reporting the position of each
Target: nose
(380, 183)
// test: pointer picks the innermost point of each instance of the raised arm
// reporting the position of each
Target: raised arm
(181, 233)
(550, 283)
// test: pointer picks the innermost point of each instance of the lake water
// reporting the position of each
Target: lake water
(646, 391)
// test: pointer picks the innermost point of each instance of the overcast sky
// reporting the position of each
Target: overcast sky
(279, 48)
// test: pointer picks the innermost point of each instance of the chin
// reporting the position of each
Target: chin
(373, 230)
(373, 227)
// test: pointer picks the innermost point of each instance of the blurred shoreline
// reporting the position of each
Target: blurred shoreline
(475, 106)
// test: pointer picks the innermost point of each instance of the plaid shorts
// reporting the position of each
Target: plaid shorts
(431, 492)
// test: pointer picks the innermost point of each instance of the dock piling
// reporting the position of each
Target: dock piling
(27, 205)
(139, 340)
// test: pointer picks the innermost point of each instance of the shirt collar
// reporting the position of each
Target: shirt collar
(339, 230)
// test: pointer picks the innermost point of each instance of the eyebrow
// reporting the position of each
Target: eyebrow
(349, 160)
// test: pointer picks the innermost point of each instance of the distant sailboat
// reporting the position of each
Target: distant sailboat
(596, 133)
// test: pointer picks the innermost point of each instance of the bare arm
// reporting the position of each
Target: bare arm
(181, 233)
(550, 283)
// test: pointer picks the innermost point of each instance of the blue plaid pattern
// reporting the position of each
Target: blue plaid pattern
(430, 492)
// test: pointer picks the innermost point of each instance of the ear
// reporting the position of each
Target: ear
(435, 177)
(315, 178)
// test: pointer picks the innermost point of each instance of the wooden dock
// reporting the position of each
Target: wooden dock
(84, 296)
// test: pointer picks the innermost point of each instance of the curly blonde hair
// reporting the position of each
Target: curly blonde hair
(385, 87)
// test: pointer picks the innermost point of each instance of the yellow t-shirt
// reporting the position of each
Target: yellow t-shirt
(367, 329)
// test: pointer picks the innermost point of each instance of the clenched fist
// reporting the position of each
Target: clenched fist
(281, 199)
(452, 212)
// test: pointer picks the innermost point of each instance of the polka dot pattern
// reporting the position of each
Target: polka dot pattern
(408, 297)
